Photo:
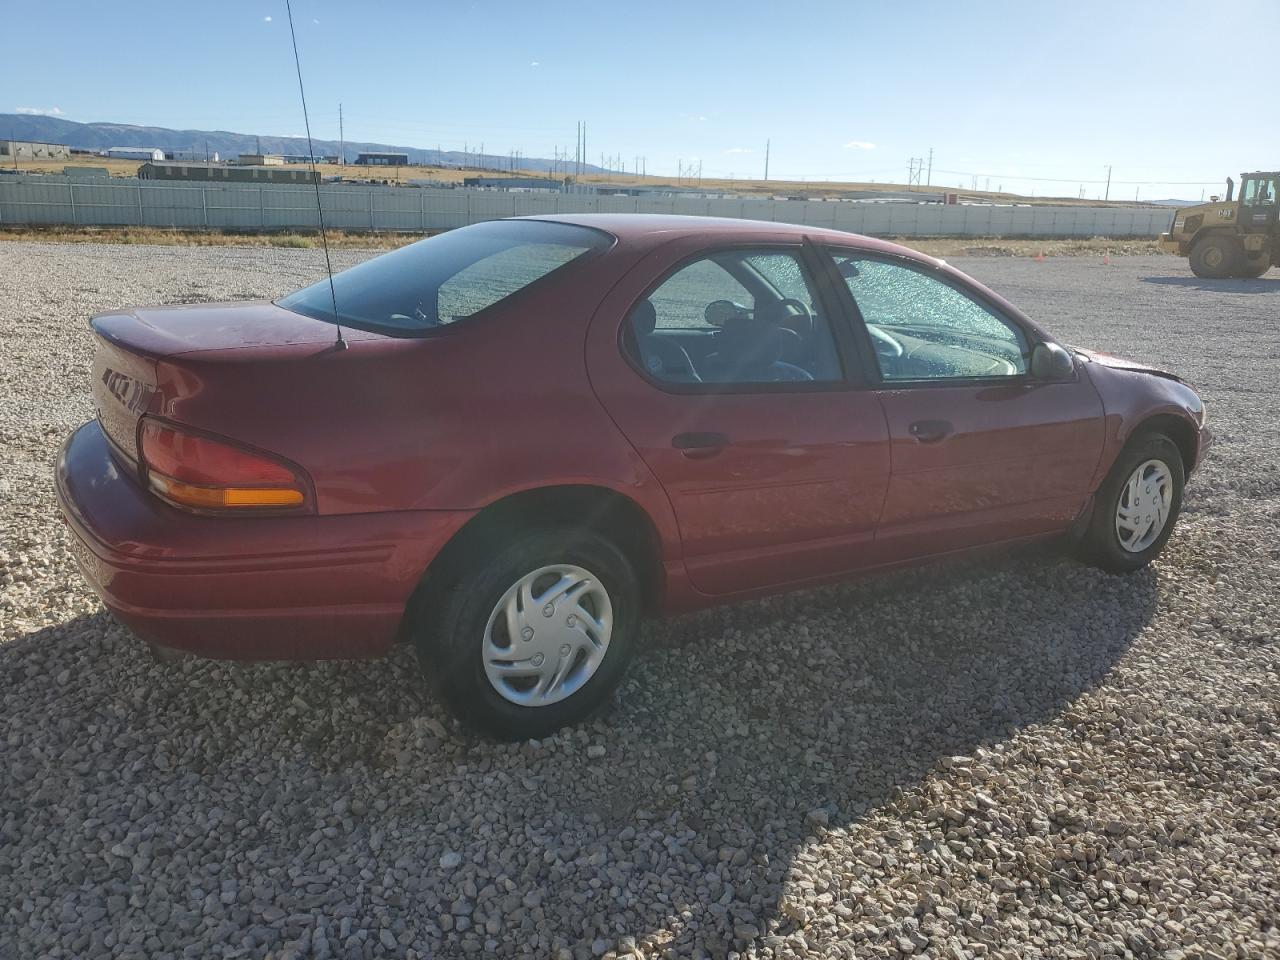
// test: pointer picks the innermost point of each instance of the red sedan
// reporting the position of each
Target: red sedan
(507, 443)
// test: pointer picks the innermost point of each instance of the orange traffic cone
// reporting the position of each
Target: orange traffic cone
(1106, 259)
(1040, 257)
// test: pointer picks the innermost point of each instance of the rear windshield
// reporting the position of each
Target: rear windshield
(447, 278)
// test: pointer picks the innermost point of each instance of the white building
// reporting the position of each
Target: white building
(134, 153)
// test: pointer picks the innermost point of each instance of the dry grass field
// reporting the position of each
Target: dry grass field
(779, 188)
(338, 239)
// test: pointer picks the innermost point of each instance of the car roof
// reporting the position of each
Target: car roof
(652, 228)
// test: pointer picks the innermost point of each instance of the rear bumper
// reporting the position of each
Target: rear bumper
(242, 588)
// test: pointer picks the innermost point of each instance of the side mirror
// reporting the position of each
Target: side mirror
(1051, 362)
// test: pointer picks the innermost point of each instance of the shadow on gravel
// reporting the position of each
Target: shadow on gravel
(743, 735)
(1259, 285)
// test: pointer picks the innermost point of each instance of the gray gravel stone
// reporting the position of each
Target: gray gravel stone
(1009, 757)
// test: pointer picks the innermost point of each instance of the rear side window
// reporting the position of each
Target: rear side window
(447, 278)
(741, 317)
(681, 302)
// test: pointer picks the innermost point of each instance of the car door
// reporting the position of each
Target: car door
(981, 451)
(775, 463)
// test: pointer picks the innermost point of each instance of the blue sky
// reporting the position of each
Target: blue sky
(847, 90)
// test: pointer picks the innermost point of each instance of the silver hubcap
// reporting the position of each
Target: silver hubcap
(547, 636)
(1144, 505)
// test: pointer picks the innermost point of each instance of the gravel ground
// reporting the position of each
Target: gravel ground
(1015, 758)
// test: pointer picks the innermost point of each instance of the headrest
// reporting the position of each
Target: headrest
(644, 318)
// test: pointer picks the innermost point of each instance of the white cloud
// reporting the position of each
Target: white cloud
(39, 111)
(702, 118)
(859, 145)
(739, 150)
(266, 19)
(535, 63)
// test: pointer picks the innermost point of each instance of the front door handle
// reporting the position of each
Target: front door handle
(700, 443)
(930, 431)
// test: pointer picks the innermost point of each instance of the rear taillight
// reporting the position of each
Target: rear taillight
(197, 471)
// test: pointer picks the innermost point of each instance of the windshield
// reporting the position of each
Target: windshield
(447, 278)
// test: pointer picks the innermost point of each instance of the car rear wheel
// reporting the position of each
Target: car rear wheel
(534, 635)
(1215, 256)
(1137, 505)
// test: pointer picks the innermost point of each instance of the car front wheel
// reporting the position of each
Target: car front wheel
(1136, 506)
(535, 635)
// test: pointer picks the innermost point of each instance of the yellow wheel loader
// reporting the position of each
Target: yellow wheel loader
(1231, 238)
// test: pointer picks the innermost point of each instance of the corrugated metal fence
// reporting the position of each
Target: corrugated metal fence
(128, 202)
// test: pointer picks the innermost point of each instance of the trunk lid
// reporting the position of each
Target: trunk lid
(132, 345)
(173, 331)
(123, 384)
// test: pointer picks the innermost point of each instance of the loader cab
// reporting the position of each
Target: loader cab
(1259, 203)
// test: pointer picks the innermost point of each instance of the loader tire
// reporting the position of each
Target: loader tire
(1216, 256)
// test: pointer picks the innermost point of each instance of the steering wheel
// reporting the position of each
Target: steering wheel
(804, 313)
(886, 344)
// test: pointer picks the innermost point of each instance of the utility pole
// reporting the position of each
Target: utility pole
(929, 176)
(1108, 196)
(766, 160)
(342, 141)
(915, 166)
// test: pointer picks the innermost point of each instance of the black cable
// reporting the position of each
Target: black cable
(315, 179)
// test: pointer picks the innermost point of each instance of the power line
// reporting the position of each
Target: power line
(1017, 176)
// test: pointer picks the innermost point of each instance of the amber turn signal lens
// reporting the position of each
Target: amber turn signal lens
(220, 498)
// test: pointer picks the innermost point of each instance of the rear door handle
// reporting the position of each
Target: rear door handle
(930, 431)
(706, 441)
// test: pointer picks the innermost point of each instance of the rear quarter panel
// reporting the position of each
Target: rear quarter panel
(452, 421)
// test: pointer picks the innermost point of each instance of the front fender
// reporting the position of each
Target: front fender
(1132, 398)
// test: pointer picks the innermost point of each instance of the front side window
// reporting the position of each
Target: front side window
(734, 317)
(925, 329)
(1259, 192)
(445, 278)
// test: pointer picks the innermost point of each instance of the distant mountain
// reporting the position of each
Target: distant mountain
(100, 136)
(1173, 203)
